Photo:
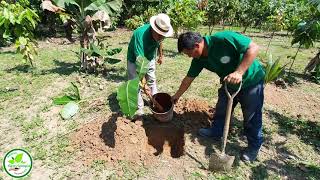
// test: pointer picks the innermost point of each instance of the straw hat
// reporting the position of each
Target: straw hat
(161, 24)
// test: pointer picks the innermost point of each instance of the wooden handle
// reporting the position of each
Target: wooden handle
(156, 104)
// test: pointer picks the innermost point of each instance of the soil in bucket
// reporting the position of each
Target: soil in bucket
(164, 100)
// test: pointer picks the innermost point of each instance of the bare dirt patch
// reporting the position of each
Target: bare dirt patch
(294, 101)
(117, 138)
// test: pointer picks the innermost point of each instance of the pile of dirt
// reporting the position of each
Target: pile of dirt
(117, 138)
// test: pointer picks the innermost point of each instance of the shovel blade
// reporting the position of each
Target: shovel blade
(220, 162)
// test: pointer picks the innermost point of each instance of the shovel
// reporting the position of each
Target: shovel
(222, 161)
(156, 104)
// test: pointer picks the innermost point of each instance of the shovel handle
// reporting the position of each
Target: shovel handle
(228, 115)
(155, 103)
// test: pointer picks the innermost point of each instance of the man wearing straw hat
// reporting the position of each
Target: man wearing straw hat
(145, 41)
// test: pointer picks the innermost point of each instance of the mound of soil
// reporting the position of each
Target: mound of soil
(117, 138)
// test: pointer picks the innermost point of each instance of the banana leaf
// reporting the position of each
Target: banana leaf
(142, 66)
(69, 110)
(127, 96)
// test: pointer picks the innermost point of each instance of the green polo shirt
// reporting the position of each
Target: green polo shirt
(142, 44)
(225, 53)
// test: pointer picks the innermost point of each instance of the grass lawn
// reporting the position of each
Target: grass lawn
(31, 121)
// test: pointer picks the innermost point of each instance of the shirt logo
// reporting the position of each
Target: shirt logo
(225, 59)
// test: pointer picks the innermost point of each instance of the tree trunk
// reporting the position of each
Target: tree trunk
(68, 30)
(313, 63)
(294, 59)
(245, 28)
(270, 41)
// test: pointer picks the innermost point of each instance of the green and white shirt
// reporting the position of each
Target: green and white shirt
(142, 44)
(225, 53)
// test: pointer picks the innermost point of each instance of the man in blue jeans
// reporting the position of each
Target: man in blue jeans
(233, 57)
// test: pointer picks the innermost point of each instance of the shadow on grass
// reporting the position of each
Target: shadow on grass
(307, 131)
(8, 52)
(124, 43)
(267, 35)
(115, 74)
(170, 53)
(280, 164)
(21, 68)
(62, 68)
(259, 172)
(113, 102)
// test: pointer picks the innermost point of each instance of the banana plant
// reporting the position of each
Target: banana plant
(127, 93)
(273, 70)
(81, 11)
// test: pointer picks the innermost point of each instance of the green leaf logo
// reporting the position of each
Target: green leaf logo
(11, 161)
(18, 158)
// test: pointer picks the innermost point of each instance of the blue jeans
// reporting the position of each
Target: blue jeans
(251, 100)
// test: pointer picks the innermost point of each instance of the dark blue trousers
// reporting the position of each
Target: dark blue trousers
(251, 100)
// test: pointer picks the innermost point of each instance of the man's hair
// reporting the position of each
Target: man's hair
(188, 40)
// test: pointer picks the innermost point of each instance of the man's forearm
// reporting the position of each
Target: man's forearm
(248, 58)
(160, 51)
(186, 82)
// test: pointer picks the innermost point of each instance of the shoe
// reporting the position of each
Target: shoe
(249, 154)
(209, 133)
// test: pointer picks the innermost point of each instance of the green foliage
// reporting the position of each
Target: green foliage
(137, 21)
(127, 93)
(306, 33)
(222, 11)
(184, 14)
(81, 12)
(136, 8)
(273, 70)
(79, 9)
(127, 96)
(98, 50)
(294, 13)
(134, 22)
(27, 48)
(73, 95)
(316, 74)
(70, 102)
(17, 23)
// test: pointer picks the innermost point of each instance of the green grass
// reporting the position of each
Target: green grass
(27, 110)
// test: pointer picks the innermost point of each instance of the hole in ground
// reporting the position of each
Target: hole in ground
(165, 139)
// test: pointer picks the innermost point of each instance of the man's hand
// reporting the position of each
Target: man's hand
(147, 90)
(234, 78)
(160, 60)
